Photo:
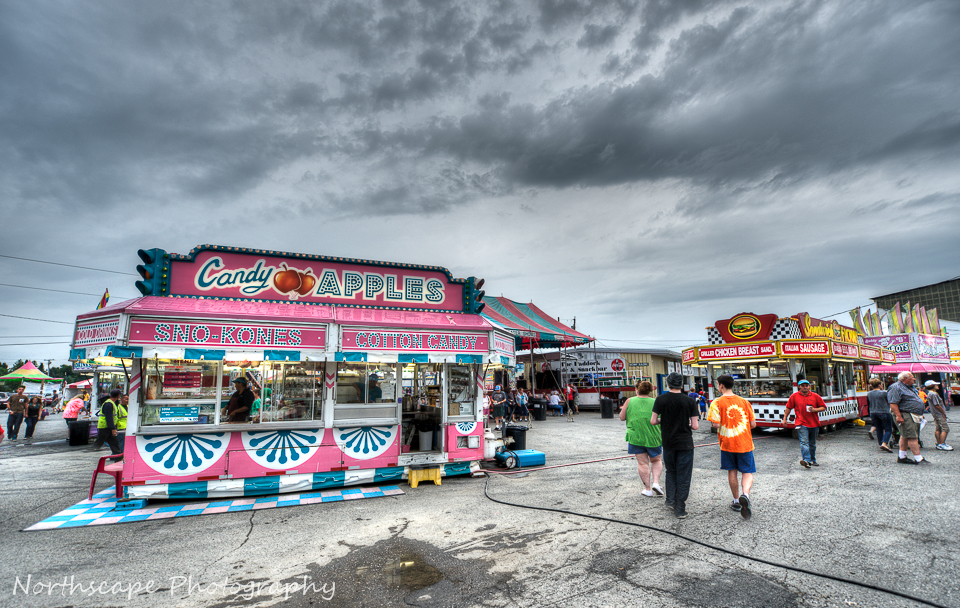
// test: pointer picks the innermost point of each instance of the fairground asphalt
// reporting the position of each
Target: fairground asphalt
(859, 516)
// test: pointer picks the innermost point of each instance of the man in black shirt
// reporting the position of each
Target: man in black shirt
(678, 416)
(238, 410)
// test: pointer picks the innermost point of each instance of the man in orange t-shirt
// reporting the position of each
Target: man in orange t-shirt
(733, 416)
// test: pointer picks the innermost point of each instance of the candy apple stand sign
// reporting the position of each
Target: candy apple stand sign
(768, 355)
(351, 371)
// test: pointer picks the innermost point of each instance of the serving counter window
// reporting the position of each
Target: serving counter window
(763, 380)
(461, 391)
(191, 392)
(180, 392)
(366, 391)
(285, 391)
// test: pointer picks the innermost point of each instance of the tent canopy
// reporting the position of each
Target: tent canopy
(916, 368)
(530, 326)
(28, 371)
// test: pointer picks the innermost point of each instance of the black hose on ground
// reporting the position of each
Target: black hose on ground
(719, 549)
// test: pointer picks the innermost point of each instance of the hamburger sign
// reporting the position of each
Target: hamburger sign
(746, 327)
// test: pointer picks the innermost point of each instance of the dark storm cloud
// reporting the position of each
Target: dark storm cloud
(595, 36)
(743, 93)
(744, 99)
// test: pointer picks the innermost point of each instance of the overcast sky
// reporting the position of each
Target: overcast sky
(647, 168)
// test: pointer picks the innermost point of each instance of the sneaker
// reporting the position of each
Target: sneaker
(745, 511)
(944, 447)
(872, 436)
(681, 514)
(805, 464)
(816, 464)
(735, 506)
(668, 504)
(906, 460)
(646, 492)
(922, 461)
(656, 488)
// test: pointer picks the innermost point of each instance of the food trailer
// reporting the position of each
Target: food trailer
(362, 370)
(767, 355)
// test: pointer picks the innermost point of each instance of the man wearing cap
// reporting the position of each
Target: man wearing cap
(241, 402)
(907, 409)
(806, 405)
(935, 403)
(499, 400)
(111, 421)
(678, 416)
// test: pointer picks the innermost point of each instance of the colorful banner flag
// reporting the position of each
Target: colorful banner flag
(908, 327)
(934, 319)
(104, 299)
(896, 319)
(880, 331)
(916, 316)
(857, 322)
(923, 320)
(876, 324)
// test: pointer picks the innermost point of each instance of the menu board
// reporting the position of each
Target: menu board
(180, 414)
(183, 378)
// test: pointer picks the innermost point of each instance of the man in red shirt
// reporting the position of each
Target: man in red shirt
(807, 405)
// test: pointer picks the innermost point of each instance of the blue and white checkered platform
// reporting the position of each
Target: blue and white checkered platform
(101, 509)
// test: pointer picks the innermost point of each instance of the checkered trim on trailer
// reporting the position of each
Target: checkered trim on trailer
(767, 412)
(771, 412)
(102, 509)
(785, 329)
(713, 336)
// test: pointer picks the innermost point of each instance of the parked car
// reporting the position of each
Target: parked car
(4, 397)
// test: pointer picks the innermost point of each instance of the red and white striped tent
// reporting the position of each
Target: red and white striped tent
(530, 326)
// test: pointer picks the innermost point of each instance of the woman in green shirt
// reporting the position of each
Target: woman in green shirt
(643, 438)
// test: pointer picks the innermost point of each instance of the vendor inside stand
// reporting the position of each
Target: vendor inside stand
(241, 403)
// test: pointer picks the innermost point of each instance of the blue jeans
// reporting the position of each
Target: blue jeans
(883, 422)
(679, 466)
(14, 420)
(808, 442)
(31, 424)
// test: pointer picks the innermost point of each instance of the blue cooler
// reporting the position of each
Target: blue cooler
(521, 458)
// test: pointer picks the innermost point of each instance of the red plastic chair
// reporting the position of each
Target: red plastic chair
(114, 468)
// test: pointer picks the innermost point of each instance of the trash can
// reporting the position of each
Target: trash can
(606, 408)
(79, 432)
(519, 434)
(426, 436)
(539, 408)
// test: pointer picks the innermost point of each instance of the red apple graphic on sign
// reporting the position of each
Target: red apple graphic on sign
(307, 281)
(286, 281)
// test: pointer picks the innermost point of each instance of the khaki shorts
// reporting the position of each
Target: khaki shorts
(909, 428)
(941, 424)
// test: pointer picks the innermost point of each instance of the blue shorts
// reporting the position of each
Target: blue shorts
(639, 449)
(733, 461)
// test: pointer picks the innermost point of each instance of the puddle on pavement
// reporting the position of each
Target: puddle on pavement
(411, 572)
